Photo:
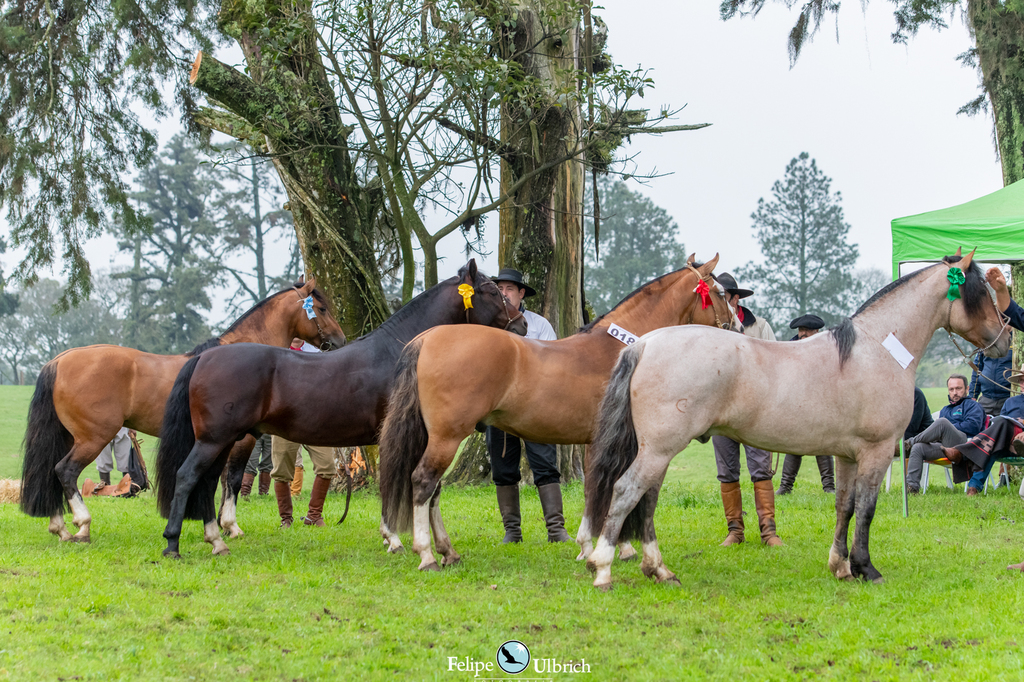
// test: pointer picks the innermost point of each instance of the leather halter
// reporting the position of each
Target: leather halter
(707, 280)
(504, 302)
(325, 345)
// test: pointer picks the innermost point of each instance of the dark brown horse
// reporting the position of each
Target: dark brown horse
(84, 395)
(543, 391)
(337, 399)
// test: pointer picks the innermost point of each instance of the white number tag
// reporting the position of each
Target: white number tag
(622, 335)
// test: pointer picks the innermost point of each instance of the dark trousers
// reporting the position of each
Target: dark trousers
(505, 452)
(259, 460)
(791, 467)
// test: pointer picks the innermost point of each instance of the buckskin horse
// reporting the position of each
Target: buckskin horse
(337, 399)
(848, 393)
(84, 395)
(543, 391)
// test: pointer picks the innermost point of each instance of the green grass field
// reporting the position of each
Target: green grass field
(325, 604)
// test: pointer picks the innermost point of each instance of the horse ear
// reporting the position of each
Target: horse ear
(471, 270)
(965, 262)
(957, 254)
(691, 258)
(708, 267)
(307, 288)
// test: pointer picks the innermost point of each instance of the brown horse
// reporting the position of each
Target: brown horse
(543, 391)
(84, 395)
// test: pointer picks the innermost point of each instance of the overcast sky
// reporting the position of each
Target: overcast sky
(880, 119)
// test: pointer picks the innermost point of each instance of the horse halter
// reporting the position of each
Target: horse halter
(504, 302)
(969, 359)
(707, 281)
(325, 345)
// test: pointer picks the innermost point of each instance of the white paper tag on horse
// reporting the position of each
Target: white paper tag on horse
(622, 335)
(898, 351)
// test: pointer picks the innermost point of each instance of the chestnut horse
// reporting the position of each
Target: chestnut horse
(84, 395)
(543, 391)
(337, 399)
(848, 393)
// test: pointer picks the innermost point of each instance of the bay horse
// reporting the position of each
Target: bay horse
(337, 399)
(543, 391)
(85, 395)
(848, 393)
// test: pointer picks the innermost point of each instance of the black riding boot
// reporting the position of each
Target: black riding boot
(551, 503)
(105, 477)
(508, 505)
(827, 469)
(790, 468)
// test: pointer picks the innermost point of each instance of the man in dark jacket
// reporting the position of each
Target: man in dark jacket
(988, 384)
(807, 326)
(958, 421)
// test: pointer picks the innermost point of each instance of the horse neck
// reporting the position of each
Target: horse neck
(272, 324)
(664, 303)
(431, 309)
(911, 312)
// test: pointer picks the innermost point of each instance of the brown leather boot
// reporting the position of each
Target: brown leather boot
(551, 503)
(764, 501)
(508, 505)
(297, 481)
(314, 517)
(284, 502)
(247, 480)
(732, 500)
(264, 482)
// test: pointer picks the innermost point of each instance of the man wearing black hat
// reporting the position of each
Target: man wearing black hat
(505, 450)
(807, 326)
(727, 451)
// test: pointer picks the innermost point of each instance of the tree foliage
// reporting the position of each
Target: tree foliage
(638, 242)
(808, 263)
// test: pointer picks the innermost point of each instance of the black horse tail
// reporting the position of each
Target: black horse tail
(403, 440)
(176, 440)
(614, 449)
(47, 442)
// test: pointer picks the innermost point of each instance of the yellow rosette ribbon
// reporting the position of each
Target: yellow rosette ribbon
(466, 291)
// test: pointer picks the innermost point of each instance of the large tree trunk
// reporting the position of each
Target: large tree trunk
(285, 106)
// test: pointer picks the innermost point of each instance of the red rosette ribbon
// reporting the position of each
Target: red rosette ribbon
(705, 294)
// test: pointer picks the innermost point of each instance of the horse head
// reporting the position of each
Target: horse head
(312, 317)
(484, 304)
(972, 311)
(711, 304)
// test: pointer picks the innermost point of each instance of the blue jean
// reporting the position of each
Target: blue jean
(978, 478)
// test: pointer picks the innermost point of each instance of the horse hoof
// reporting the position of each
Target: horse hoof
(581, 557)
(604, 587)
(171, 554)
(80, 538)
(451, 562)
(673, 581)
(236, 533)
(879, 580)
(222, 552)
(396, 550)
(431, 567)
(629, 557)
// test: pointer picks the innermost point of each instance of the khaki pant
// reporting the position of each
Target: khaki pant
(283, 453)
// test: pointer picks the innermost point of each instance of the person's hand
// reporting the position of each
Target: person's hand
(997, 281)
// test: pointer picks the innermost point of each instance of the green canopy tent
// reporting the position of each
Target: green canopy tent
(993, 223)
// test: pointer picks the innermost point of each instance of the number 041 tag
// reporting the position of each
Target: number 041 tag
(622, 335)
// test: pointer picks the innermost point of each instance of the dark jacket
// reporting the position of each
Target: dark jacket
(1016, 315)
(922, 418)
(993, 369)
(966, 415)
(1013, 407)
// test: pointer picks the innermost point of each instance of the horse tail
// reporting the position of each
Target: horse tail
(614, 449)
(47, 442)
(176, 440)
(403, 440)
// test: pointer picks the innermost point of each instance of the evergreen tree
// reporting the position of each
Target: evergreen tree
(179, 258)
(638, 242)
(808, 264)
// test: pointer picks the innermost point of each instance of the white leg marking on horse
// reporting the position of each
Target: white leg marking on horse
(583, 538)
(442, 542)
(391, 539)
(626, 551)
(229, 518)
(211, 533)
(80, 517)
(840, 567)
(654, 567)
(600, 562)
(58, 528)
(421, 537)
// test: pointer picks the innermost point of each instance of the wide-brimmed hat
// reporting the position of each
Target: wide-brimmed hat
(516, 277)
(728, 283)
(807, 322)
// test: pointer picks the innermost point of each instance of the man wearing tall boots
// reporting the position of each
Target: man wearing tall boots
(259, 463)
(283, 453)
(807, 326)
(505, 450)
(727, 451)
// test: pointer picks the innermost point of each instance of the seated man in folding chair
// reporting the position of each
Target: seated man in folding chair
(1003, 438)
(958, 421)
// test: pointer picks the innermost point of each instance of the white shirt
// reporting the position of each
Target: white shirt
(538, 328)
(307, 347)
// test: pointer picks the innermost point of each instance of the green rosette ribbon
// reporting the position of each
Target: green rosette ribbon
(956, 278)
